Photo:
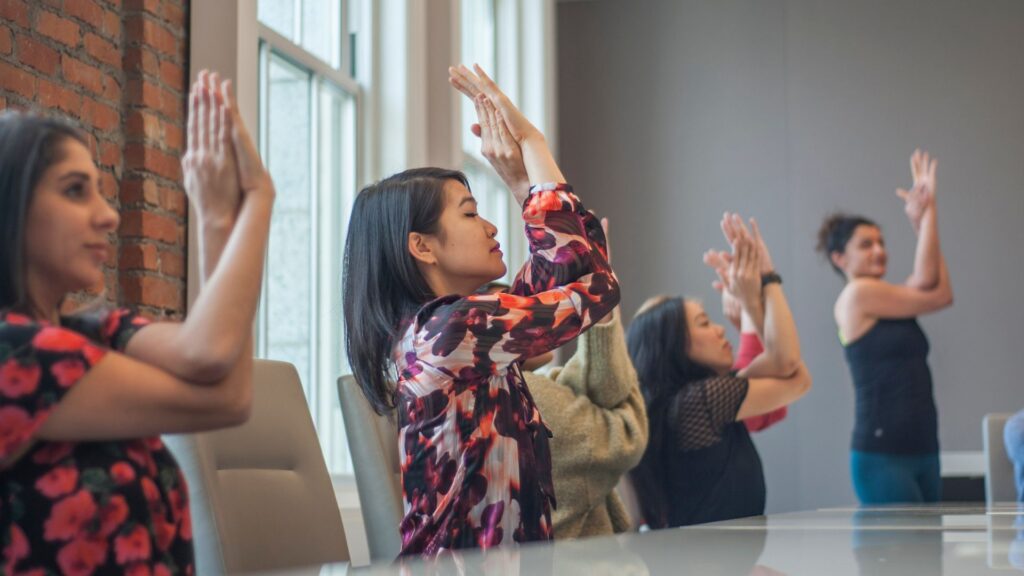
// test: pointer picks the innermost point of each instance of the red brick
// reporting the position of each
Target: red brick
(38, 55)
(174, 201)
(152, 291)
(57, 96)
(174, 137)
(110, 154)
(87, 10)
(82, 74)
(109, 186)
(3, 102)
(174, 15)
(139, 156)
(143, 93)
(140, 191)
(151, 6)
(111, 25)
(114, 3)
(148, 32)
(141, 60)
(112, 89)
(172, 105)
(139, 257)
(64, 31)
(172, 263)
(143, 125)
(14, 11)
(17, 80)
(142, 224)
(6, 40)
(102, 50)
(173, 76)
(100, 116)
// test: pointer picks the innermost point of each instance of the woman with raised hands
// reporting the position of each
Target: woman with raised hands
(700, 464)
(86, 486)
(475, 460)
(895, 447)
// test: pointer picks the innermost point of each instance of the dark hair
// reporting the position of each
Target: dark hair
(658, 338)
(382, 286)
(29, 145)
(835, 232)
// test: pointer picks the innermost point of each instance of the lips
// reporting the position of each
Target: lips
(100, 251)
(497, 248)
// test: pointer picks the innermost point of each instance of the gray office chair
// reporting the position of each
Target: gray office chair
(261, 496)
(999, 483)
(373, 443)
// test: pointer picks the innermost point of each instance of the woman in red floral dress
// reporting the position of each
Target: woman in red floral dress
(86, 486)
(476, 469)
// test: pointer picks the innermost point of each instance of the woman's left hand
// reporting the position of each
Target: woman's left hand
(208, 166)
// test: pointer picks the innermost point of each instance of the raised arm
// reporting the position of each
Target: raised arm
(221, 161)
(151, 388)
(919, 204)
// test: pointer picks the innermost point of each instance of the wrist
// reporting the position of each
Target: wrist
(216, 220)
(769, 278)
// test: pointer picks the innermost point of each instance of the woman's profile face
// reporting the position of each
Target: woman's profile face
(708, 344)
(465, 247)
(68, 225)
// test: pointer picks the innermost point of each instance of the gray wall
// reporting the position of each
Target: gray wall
(672, 111)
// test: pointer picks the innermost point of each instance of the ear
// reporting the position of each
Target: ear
(421, 248)
(838, 259)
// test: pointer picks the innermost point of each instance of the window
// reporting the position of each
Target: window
(498, 35)
(308, 102)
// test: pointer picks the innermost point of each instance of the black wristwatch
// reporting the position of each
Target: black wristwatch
(769, 278)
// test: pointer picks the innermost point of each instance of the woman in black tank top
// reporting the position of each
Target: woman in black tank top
(894, 449)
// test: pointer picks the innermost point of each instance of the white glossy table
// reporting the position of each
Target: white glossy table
(966, 540)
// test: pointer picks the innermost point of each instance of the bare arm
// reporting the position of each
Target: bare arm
(765, 395)
(781, 356)
(919, 204)
(221, 161)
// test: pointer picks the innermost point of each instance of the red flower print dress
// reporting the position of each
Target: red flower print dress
(80, 508)
(476, 467)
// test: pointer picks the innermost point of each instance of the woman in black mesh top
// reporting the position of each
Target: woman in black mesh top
(700, 464)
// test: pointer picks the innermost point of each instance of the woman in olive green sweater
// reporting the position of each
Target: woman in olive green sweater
(595, 410)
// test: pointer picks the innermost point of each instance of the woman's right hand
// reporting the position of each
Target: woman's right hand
(500, 149)
(253, 177)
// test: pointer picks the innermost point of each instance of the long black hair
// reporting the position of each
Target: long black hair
(835, 232)
(382, 284)
(29, 144)
(658, 339)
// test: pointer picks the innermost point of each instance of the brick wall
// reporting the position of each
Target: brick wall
(119, 68)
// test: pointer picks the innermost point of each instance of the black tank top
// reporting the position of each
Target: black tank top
(895, 405)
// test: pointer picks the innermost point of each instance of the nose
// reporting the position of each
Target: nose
(489, 228)
(105, 217)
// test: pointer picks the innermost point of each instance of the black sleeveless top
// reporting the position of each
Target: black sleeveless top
(895, 405)
(714, 472)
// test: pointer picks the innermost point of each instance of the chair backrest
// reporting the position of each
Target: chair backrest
(373, 443)
(261, 496)
(999, 483)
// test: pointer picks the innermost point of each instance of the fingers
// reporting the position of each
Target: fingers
(216, 112)
(504, 134)
(486, 135)
(205, 110)
(756, 233)
(464, 81)
(193, 124)
(224, 115)
(727, 229)
(903, 194)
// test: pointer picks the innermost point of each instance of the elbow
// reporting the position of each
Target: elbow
(237, 409)
(209, 364)
(805, 382)
(789, 366)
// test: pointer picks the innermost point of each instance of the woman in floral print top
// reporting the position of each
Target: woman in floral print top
(476, 468)
(86, 485)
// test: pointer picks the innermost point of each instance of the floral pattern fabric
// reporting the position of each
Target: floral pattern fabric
(476, 466)
(80, 508)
